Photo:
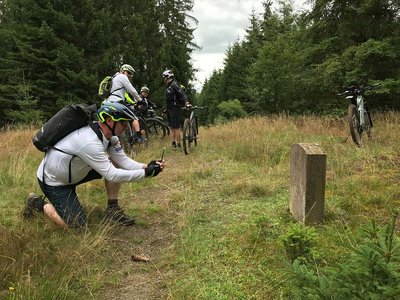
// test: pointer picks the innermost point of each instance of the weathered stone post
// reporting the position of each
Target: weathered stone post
(307, 183)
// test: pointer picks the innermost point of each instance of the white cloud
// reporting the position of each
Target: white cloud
(221, 23)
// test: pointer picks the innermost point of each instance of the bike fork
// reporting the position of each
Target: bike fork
(361, 111)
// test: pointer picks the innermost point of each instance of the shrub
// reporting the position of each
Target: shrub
(299, 242)
(231, 109)
(371, 271)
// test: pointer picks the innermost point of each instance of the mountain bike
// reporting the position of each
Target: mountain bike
(151, 126)
(190, 129)
(358, 116)
(129, 139)
(155, 124)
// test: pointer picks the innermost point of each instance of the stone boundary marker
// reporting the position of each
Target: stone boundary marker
(307, 183)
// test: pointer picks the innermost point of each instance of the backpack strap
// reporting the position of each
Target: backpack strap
(111, 92)
(96, 128)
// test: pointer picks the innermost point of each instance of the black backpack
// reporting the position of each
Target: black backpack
(65, 121)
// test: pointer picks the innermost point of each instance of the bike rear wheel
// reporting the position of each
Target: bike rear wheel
(156, 128)
(195, 132)
(368, 125)
(354, 124)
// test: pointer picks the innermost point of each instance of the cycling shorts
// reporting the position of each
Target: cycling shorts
(174, 117)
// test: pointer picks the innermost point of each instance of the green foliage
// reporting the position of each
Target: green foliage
(231, 109)
(371, 271)
(64, 49)
(25, 111)
(299, 242)
(210, 95)
(297, 63)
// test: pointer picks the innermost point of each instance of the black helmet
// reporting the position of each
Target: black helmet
(117, 112)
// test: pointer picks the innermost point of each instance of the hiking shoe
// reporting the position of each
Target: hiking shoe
(131, 140)
(141, 140)
(116, 214)
(33, 204)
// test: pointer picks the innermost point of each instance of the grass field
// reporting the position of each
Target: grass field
(223, 211)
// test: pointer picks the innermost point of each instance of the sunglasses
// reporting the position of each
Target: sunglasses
(124, 123)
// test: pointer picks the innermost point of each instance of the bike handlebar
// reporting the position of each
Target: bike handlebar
(353, 90)
(191, 107)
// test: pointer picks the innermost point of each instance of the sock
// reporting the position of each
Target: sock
(173, 143)
(112, 203)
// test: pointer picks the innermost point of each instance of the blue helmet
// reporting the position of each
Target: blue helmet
(117, 112)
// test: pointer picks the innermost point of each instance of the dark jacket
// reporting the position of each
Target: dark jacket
(176, 97)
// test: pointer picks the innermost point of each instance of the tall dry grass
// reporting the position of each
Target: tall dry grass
(230, 202)
(237, 208)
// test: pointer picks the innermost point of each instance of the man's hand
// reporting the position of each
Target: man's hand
(154, 168)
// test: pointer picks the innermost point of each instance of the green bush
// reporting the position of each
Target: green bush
(371, 271)
(231, 109)
(25, 111)
(299, 242)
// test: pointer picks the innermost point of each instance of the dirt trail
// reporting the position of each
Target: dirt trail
(147, 280)
(144, 280)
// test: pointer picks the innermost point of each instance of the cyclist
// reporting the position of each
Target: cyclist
(142, 106)
(176, 99)
(89, 153)
(121, 86)
(140, 109)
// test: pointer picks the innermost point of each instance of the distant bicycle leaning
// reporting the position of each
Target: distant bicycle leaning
(358, 116)
(190, 129)
(152, 127)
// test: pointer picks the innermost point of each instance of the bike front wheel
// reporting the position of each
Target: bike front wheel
(354, 124)
(186, 136)
(128, 142)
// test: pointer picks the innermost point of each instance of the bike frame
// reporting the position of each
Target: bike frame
(360, 106)
(191, 117)
(358, 116)
(361, 110)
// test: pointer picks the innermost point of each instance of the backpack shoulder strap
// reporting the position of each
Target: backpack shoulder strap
(96, 128)
(111, 91)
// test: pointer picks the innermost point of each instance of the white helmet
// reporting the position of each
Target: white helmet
(144, 89)
(167, 74)
(127, 68)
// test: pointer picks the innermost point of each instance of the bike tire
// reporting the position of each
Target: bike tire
(156, 128)
(186, 136)
(127, 141)
(161, 119)
(368, 126)
(354, 124)
(195, 132)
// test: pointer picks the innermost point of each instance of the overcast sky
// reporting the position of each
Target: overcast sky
(221, 23)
